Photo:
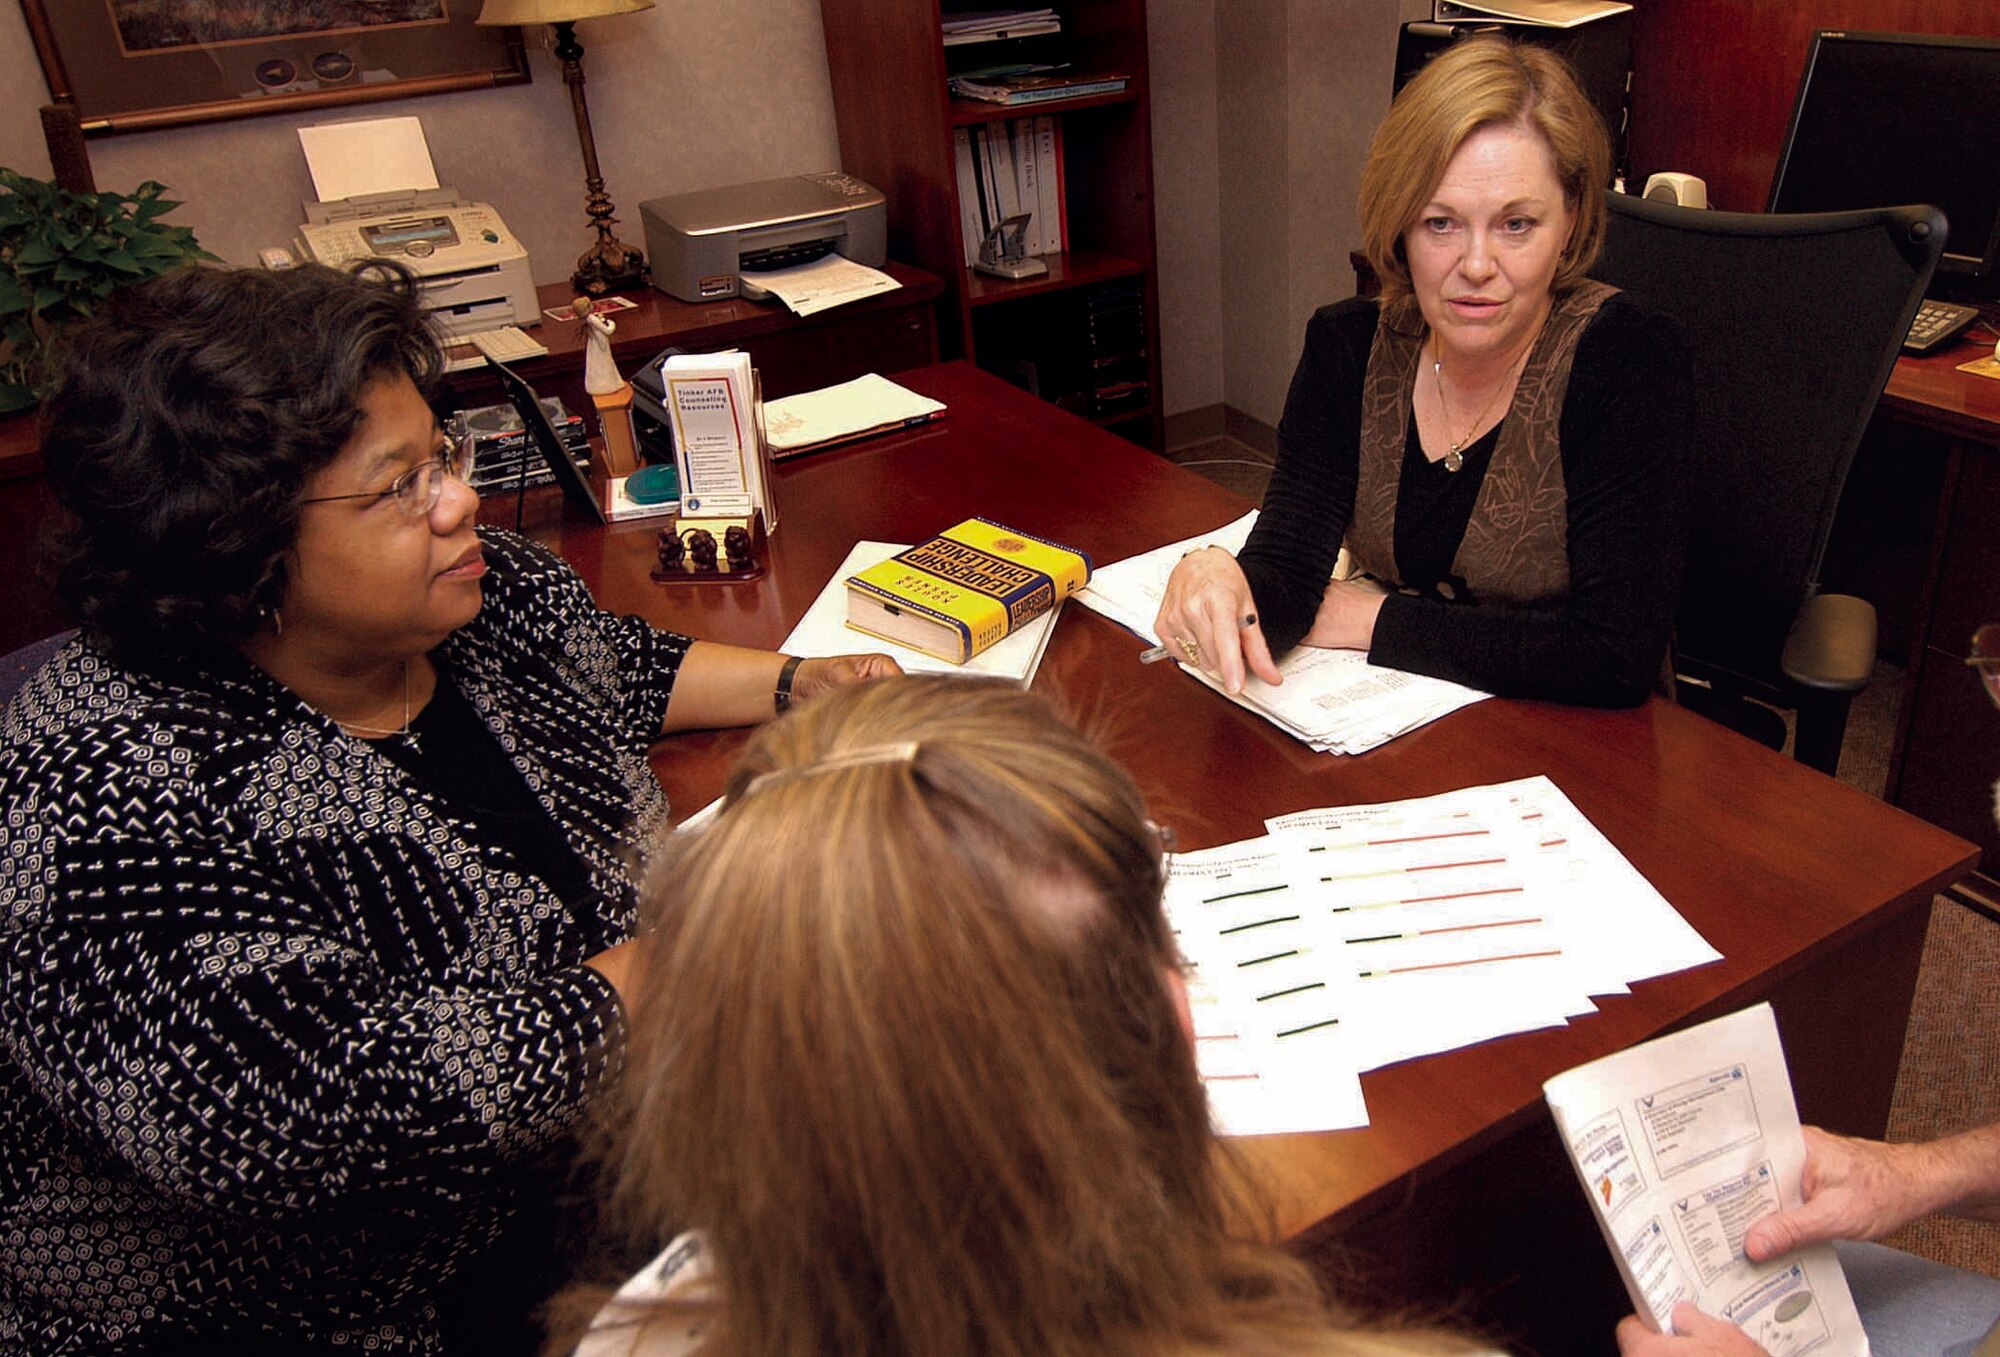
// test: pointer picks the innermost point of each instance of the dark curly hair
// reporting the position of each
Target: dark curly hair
(188, 416)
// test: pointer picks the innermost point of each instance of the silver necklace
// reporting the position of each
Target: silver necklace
(1454, 459)
(356, 728)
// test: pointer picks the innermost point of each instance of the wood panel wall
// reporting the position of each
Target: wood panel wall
(1713, 80)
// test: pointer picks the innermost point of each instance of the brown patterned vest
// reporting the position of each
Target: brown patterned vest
(1516, 545)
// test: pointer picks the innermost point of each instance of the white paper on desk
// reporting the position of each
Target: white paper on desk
(1334, 700)
(869, 402)
(826, 282)
(1430, 894)
(1681, 1144)
(824, 630)
(376, 155)
(1271, 1040)
(1129, 591)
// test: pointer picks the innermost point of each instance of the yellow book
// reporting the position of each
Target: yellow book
(958, 593)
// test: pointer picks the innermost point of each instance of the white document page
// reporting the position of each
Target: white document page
(826, 282)
(1271, 1035)
(1683, 1143)
(824, 630)
(1334, 700)
(1129, 591)
(378, 155)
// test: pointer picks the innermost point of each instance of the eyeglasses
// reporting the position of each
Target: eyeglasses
(418, 490)
(1985, 657)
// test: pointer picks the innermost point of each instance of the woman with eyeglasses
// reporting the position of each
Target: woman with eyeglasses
(318, 848)
(912, 1070)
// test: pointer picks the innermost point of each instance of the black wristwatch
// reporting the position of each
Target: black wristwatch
(781, 696)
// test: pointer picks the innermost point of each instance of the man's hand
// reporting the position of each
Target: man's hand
(1207, 618)
(1853, 1189)
(1695, 1335)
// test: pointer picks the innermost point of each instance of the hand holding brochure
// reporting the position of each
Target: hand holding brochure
(1682, 1144)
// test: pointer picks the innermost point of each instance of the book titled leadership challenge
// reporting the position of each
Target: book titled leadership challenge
(963, 590)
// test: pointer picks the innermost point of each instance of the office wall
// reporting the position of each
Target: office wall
(1300, 86)
(687, 95)
(1187, 222)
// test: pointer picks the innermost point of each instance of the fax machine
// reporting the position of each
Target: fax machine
(702, 243)
(473, 273)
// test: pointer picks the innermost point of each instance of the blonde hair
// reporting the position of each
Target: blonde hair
(906, 1054)
(1482, 82)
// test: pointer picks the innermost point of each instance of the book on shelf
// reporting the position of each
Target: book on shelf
(1035, 88)
(971, 221)
(1049, 165)
(963, 590)
(1005, 168)
(1532, 13)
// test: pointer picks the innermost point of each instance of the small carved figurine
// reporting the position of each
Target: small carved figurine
(701, 549)
(600, 370)
(672, 550)
(736, 545)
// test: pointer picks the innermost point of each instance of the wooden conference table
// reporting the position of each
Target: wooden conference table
(1816, 895)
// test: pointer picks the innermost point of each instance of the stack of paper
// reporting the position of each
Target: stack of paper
(835, 414)
(991, 25)
(1354, 937)
(824, 630)
(1334, 700)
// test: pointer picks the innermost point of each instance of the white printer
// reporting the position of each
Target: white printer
(473, 273)
(702, 243)
(379, 198)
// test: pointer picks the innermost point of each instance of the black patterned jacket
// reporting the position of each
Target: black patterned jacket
(273, 1025)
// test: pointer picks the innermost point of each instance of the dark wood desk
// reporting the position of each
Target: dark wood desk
(1815, 894)
(1937, 431)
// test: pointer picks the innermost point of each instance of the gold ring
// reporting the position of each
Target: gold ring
(1192, 649)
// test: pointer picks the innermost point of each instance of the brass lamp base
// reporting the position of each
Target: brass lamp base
(609, 266)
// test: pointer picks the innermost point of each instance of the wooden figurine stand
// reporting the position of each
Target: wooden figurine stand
(697, 549)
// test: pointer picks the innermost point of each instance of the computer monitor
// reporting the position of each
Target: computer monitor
(1884, 119)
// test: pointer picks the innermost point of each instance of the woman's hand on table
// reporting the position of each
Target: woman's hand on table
(824, 674)
(1208, 618)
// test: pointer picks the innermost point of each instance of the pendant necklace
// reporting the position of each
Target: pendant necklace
(1453, 456)
(355, 727)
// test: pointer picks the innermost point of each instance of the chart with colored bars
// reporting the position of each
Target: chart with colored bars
(1353, 937)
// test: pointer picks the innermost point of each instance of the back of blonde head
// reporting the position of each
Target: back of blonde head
(907, 1055)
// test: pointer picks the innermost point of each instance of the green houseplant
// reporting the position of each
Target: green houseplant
(61, 255)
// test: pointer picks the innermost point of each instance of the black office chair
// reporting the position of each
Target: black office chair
(1794, 322)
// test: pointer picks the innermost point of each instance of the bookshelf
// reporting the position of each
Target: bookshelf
(896, 114)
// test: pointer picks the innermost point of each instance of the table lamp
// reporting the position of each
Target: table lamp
(610, 264)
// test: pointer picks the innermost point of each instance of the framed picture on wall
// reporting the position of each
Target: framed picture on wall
(136, 65)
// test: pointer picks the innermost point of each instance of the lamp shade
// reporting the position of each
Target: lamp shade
(554, 11)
